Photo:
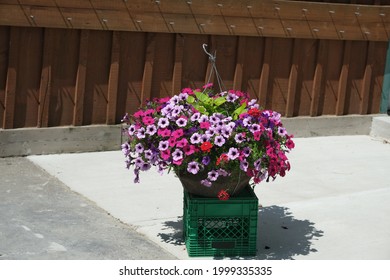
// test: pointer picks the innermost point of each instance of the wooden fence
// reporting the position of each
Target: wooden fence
(67, 76)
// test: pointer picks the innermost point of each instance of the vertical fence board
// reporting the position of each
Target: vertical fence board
(252, 64)
(4, 52)
(359, 50)
(306, 72)
(146, 91)
(293, 78)
(378, 75)
(96, 84)
(195, 61)
(63, 73)
(178, 64)
(113, 79)
(367, 79)
(279, 74)
(78, 110)
(335, 56)
(226, 47)
(46, 81)
(319, 77)
(131, 69)
(29, 51)
(265, 73)
(238, 72)
(163, 65)
(10, 84)
(343, 80)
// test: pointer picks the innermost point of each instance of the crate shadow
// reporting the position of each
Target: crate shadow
(280, 236)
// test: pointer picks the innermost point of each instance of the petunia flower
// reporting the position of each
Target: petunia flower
(163, 122)
(219, 140)
(193, 167)
(212, 175)
(195, 138)
(233, 153)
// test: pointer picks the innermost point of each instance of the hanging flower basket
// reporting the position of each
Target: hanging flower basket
(215, 142)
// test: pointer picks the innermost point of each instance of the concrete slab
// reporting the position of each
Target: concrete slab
(332, 205)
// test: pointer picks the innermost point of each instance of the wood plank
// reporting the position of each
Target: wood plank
(319, 77)
(113, 79)
(80, 79)
(238, 73)
(343, 80)
(293, 79)
(146, 89)
(10, 84)
(367, 79)
(178, 65)
(265, 73)
(46, 80)
(4, 53)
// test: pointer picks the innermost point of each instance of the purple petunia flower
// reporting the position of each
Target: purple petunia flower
(223, 172)
(163, 145)
(239, 138)
(181, 122)
(139, 148)
(151, 129)
(257, 164)
(206, 183)
(206, 160)
(244, 165)
(195, 138)
(195, 117)
(141, 133)
(254, 127)
(212, 175)
(145, 166)
(163, 122)
(193, 167)
(131, 130)
(233, 153)
(219, 141)
(231, 97)
(246, 151)
(177, 155)
(149, 154)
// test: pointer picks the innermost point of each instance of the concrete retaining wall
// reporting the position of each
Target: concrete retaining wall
(70, 139)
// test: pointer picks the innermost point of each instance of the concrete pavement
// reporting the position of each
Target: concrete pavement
(41, 218)
(333, 204)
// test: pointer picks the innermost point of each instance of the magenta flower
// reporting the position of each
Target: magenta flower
(165, 155)
(182, 143)
(189, 149)
(165, 132)
(148, 120)
(177, 133)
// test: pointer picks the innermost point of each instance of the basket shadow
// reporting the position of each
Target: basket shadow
(280, 236)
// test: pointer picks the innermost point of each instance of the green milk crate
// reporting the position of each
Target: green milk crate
(218, 228)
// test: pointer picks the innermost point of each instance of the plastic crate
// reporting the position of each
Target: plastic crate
(213, 227)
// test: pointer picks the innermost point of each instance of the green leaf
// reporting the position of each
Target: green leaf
(239, 111)
(219, 101)
(202, 97)
(201, 109)
(190, 99)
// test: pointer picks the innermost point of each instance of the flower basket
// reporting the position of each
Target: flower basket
(232, 185)
(215, 142)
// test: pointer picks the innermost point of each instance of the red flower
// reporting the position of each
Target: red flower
(206, 146)
(254, 112)
(223, 195)
(223, 158)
